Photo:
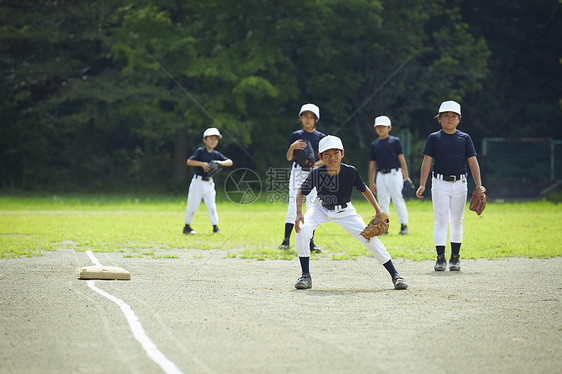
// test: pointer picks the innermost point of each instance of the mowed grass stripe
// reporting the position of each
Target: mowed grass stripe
(152, 227)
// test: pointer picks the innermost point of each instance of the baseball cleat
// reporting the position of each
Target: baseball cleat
(216, 230)
(314, 248)
(441, 263)
(188, 230)
(285, 244)
(304, 282)
(403, 229)
(454, 263)
(399, 282)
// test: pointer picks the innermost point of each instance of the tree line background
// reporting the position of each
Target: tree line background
(115, 95)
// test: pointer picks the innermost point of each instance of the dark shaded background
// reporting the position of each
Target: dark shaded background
(108, 96)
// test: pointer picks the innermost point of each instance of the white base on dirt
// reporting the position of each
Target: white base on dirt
(104, 272)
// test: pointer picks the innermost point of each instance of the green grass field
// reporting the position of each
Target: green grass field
(146, 226)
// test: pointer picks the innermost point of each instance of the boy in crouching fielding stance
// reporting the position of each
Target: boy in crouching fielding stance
(334, 184)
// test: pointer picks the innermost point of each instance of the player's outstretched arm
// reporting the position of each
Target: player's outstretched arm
(371, 198)
(300, 216)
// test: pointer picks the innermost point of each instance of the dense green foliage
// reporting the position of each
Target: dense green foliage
(109, 94)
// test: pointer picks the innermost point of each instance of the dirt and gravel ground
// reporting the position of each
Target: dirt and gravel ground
(211, 314)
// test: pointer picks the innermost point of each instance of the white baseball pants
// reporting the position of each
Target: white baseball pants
(201, 190)
(295, 180)
(348, 218)
(389, 186)
(449, 201)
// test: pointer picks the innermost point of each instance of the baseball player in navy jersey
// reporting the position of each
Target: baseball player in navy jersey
(449, 150)
(387, 161)
(202, 187)
(334, 183)
(309, 116)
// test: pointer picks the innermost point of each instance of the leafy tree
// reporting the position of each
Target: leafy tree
(521, 98)
(106, 94)
(44, 47)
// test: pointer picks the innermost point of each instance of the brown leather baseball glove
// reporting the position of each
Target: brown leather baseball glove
(478, 200)
(377, 226)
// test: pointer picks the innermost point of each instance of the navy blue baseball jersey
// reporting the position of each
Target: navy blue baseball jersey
(449, 151)
(202, 155)
(312, 137)
(336, 189)
(385, 152)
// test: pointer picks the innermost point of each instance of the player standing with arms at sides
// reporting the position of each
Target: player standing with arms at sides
(202, 186)
(299, 141)
(449, 150)
(334, 183)
(387, 161)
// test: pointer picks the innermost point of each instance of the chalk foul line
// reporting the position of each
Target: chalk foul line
(136, 327)
(93, 258)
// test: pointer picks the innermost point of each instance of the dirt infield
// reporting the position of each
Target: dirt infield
(211, 314)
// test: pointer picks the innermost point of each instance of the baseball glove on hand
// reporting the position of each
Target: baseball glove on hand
(377, 226)
(408, 189)
(215, 168)
(478, 200)
(304, 157)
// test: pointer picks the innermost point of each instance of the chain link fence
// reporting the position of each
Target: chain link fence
(520, 168)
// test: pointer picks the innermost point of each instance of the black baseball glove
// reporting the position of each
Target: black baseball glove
(408, 189)
(305, 157)
(215, 168)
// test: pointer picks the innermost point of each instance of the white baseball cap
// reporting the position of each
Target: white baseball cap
(329, 142)
(450, 106)
(382, 121)
(212, 131)
(310, 108)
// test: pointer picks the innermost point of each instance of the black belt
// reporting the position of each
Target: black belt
(334, 206)
(386, 171)
(449, 178)
(206, 179)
